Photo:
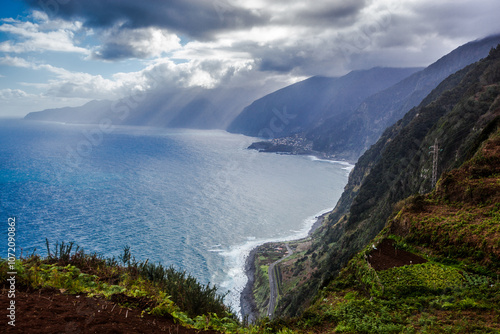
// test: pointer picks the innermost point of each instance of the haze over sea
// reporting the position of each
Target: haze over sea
(197, 200)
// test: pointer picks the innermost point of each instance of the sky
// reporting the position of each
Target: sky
(56, 53)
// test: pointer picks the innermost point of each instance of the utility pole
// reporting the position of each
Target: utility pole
(435, 157)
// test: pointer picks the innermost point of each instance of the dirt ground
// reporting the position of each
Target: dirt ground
(386, 257)
(49, 311)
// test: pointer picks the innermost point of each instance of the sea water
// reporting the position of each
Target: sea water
(197, 200)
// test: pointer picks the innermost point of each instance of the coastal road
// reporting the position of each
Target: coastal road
(273, 285)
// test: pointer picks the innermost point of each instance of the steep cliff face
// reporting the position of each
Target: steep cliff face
(452, 121)
(341, 118)
(460, 218)
(304, 105)
(351, 137)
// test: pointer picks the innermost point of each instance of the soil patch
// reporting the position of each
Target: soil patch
(49, 311)
(386, 256)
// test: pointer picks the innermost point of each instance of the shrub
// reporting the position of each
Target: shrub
(68, 267)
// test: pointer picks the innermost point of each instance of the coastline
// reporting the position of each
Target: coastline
(286, 149)
(319, 221)
(248, 305)
(247, 302)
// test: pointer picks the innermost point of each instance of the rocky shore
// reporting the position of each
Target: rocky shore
(247, 301)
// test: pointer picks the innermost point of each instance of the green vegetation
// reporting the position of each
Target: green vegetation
(420, 278)
(427, 298)
(433, 297)
(268, 253)
(261, 289)
(456, 291)
(455, 228)
(157, 290)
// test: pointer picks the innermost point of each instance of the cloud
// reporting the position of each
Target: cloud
(64, 83)
(36, 37)
(137, 43)
(8, 94)
(456, 19)
(196, 73)
(306, 38)
(15, 62)
(313, 14)
(418, 33)
(161, 73)
(195, 18)
(17, 103)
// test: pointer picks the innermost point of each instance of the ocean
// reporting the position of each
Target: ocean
(195, 199)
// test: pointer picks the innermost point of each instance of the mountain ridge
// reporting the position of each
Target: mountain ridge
(313, 100)
(346, 136)
(411, 90)
(460, 112)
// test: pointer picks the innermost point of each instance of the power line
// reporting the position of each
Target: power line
(435, 156)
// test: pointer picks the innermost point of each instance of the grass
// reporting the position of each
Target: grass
(457, 291)
(420, 278)
(424, 298)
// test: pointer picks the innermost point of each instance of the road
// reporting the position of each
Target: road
(273, 286)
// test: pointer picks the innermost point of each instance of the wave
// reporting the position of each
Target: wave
(348, 166)
(216, 249)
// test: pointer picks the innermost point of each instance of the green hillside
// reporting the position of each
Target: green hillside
(460, 114)
(455, 232)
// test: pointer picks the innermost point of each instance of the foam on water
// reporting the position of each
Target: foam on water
(348, 167)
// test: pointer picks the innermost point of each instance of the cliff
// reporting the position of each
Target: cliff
(454, 119)
(364, 126)
(433, 268)
(306, 104)
(347, 134)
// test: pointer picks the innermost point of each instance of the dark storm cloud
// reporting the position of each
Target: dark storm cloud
(115, 51)
(195, 18)
(303, 37)
(281, 62)
(334, 14)
(463, 19)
